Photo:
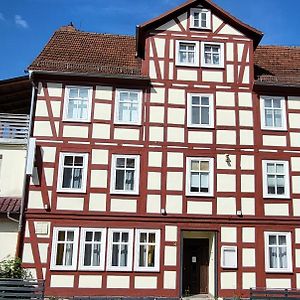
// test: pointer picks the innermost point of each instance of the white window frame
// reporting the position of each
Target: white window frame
(61, 169)
(53, 265)
(203, 63)
(285, 163)
(82, 249)
(197, 51)
(223, 263)
(66, 104)
(135, 191)
(208, 18)
(117, 103)
(211, 110)
(109, 266)
(210, 192)
(155, 268)
(289, 268)
(283, 113)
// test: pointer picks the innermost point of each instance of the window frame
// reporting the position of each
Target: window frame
(61, 169)
(285, 163)
(136, 179)
(222, 55)
(211, 111)
(82, 250)
(208, 18)
(117, 104)
(210, 192)
(289, 268)
(223, 249)
(66, 104)
(109, 266)
(197, 52)
(53, 265)
(283, 113)
(137, 250)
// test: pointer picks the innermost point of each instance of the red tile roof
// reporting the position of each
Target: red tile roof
(11, 205)
(71, 50)
(278, 65)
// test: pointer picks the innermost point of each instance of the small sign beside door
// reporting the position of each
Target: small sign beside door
(194, 259)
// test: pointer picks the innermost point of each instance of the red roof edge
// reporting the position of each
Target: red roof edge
(142, 29)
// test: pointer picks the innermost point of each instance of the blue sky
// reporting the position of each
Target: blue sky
(26, 25)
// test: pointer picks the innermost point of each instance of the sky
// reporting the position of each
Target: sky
(27, 25)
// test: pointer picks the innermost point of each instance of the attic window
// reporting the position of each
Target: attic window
(200, 18)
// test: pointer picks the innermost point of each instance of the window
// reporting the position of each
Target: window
(120, 249)
(72, 172)
(128, 107)
(147, 250)
(200, 18)
(229, 257)
(125, 174)
(199, 181)
(78, 104)
(64, 248)
(276, 179)
(212, 55)
(278, 256)
(187, 53)
(200, 110)
(273, 113)
(92, 249)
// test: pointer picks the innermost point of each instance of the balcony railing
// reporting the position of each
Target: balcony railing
(14, 128)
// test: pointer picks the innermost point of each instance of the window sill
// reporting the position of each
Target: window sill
(274, 129)
(76, 121)
(191, 126)
(199, 195)
(206, 29)
(124, 193)
(71, 191)
(279, 271)
(271, 197)
(213, 67)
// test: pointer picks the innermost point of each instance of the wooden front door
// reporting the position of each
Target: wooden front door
(195, 267)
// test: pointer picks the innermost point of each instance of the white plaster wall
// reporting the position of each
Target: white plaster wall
(248, 234)
(102, 111)
(226, 117)
(143, 282)
(76, 131)
(187, 75)
(62, 281)
(56, 107)
(175, 160)
(226, 206)
(153, 204)
(278, 283)
(154, 181)
(127, 134)
(154, 159)
(212, 76)
(123, 205)
(226, 182)
(99, 178)
(169, 280)
(248, 206)
(226, 137)
(249, 280)
(273, 140)
(176, 116)
(174, 181)
(12, 168)
(48, 154)
(99, 157)
(170, 256)
(174, 204)
(157, 95)
(199, 207)
(228, 234)
(177, 96)
(156, 134)
(200, 137)
(42, 128)
(97, 202)
(248, 257)
(247, 183)
(54, 89)
(101, 131)
(41, 109)
(246, 118)
(222, 163)
(118, 282)
(104, 92)
(9, 234)
(247, 162)
(228, 281)
(70, 203)
(170, 233)
(157, 114)
(275, 209)
(245, 99)
(90, 281)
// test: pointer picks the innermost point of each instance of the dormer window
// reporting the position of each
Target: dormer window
(200, 18)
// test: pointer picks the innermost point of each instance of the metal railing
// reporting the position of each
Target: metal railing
(14, 128)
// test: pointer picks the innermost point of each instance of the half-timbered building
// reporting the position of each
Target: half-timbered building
(167, 164)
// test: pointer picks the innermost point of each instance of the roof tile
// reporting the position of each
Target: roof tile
(11, 205)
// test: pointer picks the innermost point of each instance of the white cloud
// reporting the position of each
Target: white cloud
(21, 22)
(2, 17)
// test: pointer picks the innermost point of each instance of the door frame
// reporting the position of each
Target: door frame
(212, 236)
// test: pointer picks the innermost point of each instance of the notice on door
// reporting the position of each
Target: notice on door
(194, 259)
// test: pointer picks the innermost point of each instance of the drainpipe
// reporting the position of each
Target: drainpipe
(11, 218)
(20, 240)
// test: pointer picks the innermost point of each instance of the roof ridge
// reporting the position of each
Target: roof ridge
(76, 31)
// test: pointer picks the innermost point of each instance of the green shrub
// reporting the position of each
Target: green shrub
(12, 268)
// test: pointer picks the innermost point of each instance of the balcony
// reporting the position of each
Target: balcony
(14, 128)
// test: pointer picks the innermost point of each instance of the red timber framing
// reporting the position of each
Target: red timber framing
(236, 215)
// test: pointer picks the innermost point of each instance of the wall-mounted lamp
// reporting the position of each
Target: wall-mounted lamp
(239, 213)
(163, 211)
